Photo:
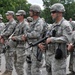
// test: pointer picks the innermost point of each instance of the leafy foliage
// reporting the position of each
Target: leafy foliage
(69, 6)
(13, 5)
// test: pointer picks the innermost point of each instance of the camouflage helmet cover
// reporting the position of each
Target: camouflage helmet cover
(35, 8)
(20, 12)
(57, 7)
(10, 13)
(30, 19)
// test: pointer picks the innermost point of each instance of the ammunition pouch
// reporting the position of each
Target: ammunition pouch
(59, 49)
(28, 59)
(58, 53)
(39, 55)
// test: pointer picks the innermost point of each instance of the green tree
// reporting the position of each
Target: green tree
(13, 5)
(69, 6)
(70, 10)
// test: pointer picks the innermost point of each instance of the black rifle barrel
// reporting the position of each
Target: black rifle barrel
(39, 41)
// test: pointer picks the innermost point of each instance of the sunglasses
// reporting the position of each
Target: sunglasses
(53, 12)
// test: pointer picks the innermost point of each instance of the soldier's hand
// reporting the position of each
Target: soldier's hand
(24, 38)
(70, 47)
(42, 47)
(13, 38)
(48, 40)
(2, 41)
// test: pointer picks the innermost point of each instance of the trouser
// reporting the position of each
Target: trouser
(28, 70)
(19, 60)
(0, 54)
(28, 60)
(35, 66)
(0, 62)
(72, 61)
(54, 66)
(9, 59)
(9, 46)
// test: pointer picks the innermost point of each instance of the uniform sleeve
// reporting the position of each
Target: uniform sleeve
(73, 37)
(24, 32)
(2, 27)
(73, 25)
(66, 35)
(9, 30)
(35, 33)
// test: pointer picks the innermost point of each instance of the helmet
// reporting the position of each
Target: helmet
(20, 12)
(30, 19)
(35, 8)
(57, 7)
(10, 13)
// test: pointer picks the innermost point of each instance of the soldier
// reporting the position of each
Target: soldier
(20, 30)
(71, 52)
(34, 34)
(59, 35)
(71, 49)
(8, 30)
(2, 25)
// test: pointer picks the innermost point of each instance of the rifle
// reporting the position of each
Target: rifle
(39, 41)
(11, 35)
(39, 53)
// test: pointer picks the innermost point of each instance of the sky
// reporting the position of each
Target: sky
(38, 2)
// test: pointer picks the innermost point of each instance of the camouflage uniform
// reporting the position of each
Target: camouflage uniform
(8, 30)
(73, 25)
(34, 34)
(59, 38)
(19, 57)
(72, 59)
(71, 53)
(2, 25)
